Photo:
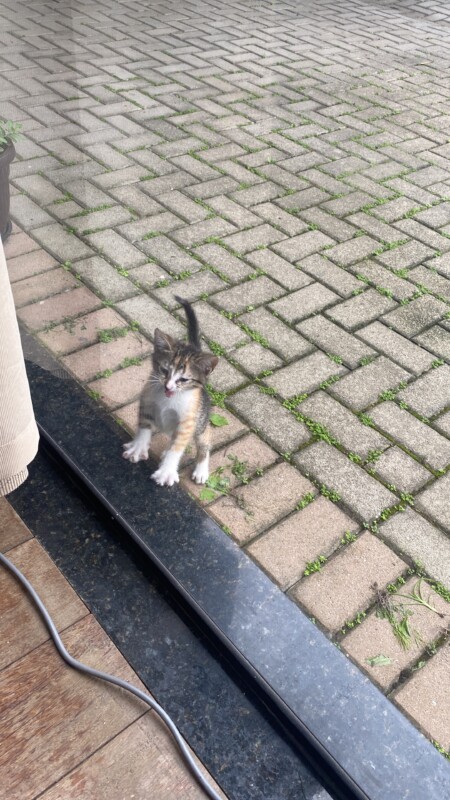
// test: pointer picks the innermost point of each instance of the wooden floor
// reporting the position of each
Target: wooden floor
(63, 735)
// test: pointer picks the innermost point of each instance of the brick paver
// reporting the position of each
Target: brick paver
(363, 563)
(299, 194)
(375, 636)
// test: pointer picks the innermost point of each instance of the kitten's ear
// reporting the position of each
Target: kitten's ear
(207, 362)
(163, 341)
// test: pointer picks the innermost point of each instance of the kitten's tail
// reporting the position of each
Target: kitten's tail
(193, 329)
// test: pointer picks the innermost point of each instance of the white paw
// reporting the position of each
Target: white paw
(201, 472)
(137, 450)
(166, 476)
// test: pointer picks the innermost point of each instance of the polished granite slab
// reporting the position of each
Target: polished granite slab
(227, 727)
(378, 751)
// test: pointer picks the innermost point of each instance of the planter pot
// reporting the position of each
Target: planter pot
(5, 159)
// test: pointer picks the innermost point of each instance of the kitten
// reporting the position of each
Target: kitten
(175, 402)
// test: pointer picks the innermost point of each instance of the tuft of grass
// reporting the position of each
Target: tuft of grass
(131, 361)
(314, 566)
(331, 494)
(217, 398)
(216, 348)
(348, 537)
(305, 501)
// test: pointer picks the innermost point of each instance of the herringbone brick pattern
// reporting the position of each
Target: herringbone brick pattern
(285, 166)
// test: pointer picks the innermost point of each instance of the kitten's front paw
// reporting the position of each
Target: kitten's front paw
(201, 472)
(166, 476)
(135, 451)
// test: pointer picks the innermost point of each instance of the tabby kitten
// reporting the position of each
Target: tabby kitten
(175, 402)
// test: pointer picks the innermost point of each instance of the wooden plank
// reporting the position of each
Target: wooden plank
(12, 529)
(141, 762)
(21, 626)
(52, 717)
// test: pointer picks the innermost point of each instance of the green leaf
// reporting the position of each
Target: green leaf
(218, 421)
(379, 661)
(207, 494)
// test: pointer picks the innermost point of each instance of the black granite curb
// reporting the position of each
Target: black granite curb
(369, 745)
(226, 725)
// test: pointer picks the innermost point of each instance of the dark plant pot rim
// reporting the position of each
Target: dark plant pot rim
(7, 155)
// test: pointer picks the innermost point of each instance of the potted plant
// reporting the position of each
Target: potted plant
(9, 133)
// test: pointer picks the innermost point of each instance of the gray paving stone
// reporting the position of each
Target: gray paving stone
(436, 339)
(429, 394)
(148, 275)
(397, 347)
(301, 304)
(267, 415)
(256, 194)
(336, 278)
(169, 255)
(150, 315)
(338, 229)
(414, 536)
(394, 209)
(280, 338)
(344, 206)
(442, 424)
(395, 467)
(425, 237)
(260, 236)
(106, 218)
(406, 255)
(418, 437)
(361, 493)
(157, 186)
(385, 280)
(374, 227)
(434, 283)
(434, 502)
(435, 217)
(157, 224)
(354, 250)
(304, 375)
(115, 247)
(363, 386)
(64, 246)
(332, 339)
(133, 196)
(192, 288)
(27, 213)
(226, 263)
(411, 319)
(277, 268)
(191, 235)
(361, 309)
(298, 247)
(288, 223)
(183, 206)
(255, 359)
(233, 212)
(344, 426)
(252, 293)
(305, 199)
(218, 328)
(441, 263)
(226, 377)
(104, 279)
(39, 189)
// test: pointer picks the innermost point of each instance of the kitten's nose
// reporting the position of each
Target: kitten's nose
(169, 389)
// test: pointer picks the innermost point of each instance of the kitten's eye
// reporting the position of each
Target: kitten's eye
(182, 380)
(164, 370)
